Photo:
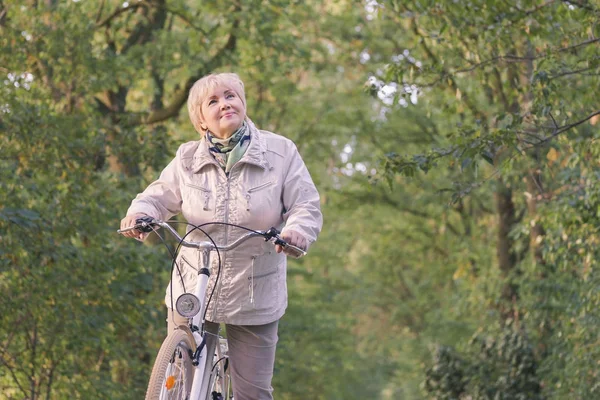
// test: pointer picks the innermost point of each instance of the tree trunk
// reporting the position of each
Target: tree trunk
(536, 233)
(507, 259)
(116, 101)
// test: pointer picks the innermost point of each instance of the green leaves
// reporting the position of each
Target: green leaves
(508, 94)
(400, 269)
(502, 367)
(21, 217)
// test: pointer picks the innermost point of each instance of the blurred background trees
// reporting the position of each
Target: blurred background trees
(454, 145)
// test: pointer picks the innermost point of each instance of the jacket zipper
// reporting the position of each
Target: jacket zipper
(261, 275)
(254, 189)
(206, 194)
(224, 256)
(198, 187)
(252, 277)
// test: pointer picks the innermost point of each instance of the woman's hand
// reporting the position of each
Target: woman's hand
(295, 239)
(128, 222)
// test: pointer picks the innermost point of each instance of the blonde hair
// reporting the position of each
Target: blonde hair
(200, 90)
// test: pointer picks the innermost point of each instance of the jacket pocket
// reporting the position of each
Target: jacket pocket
(254, 189)
(186, 274)
(263, 285)
(205, 194)
(183, 280)
(260, 186)
(262, 275)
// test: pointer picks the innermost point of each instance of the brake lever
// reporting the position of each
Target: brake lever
(146, 224)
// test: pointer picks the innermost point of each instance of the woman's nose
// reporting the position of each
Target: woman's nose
(225, 105)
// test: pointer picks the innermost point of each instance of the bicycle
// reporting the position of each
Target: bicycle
(180, 369)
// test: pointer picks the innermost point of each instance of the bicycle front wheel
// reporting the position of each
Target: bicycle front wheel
(173, 371)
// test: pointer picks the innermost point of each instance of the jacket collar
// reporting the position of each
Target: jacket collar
(255, 154)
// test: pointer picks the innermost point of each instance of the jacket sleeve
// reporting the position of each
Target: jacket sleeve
(162, 198)
(302, 206)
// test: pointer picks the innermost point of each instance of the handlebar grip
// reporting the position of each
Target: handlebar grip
(297, 251)
(273, 235)
(145, 224)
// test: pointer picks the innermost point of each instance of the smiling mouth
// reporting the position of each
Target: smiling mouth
(227, 115)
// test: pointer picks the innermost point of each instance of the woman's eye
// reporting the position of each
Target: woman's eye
(211, 102)
(229, 96)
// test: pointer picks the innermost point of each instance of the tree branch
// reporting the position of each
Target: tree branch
(3, 13)
(382, 198)
(187, 20)
(578, 71)
(106, 21)
(53, 367)
(143, 31)
(100, 10)
(508, 58)
(453, 83)
(558, 130)
(13, 374)
(531, 11)
(33, 355)
(180, 97)
(573, 47)
(581, 5)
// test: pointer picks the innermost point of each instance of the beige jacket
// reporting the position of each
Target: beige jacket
(269, 186)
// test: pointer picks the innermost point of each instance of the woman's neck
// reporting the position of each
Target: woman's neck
(225, 136)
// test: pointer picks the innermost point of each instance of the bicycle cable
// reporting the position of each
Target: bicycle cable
(219, 265)
(173, 262)
(220, 260)
(217, 363)
(195, 227)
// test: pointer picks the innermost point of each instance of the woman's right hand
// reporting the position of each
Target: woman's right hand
(128, 222)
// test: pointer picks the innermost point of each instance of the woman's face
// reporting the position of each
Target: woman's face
(223, 112)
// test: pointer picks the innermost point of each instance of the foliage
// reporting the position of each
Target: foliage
(90, 113)
(458, 257)
(513, 77)
(67, 283)
(503, 368)
(507, 88)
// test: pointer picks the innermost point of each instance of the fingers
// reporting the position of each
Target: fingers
(128, 222)
(295, 239)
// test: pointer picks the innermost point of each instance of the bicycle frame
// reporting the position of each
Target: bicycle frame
(200, 380)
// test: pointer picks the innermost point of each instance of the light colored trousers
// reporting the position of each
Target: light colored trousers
(251, 355)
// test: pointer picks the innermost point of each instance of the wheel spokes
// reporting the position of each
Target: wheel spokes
(175, 383)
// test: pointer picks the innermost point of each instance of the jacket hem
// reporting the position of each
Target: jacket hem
(249, 320)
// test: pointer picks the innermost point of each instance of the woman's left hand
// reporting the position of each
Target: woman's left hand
(295, 239)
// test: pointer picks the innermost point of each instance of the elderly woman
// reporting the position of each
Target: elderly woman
(241, 175)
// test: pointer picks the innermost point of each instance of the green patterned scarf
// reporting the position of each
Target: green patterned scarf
(229, 151)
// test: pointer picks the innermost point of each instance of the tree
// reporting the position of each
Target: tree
(506, 86)
(90, 108)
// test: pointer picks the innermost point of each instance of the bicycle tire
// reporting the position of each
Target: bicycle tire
(177, 346)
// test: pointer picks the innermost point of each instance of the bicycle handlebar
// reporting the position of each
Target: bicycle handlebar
(147, 224)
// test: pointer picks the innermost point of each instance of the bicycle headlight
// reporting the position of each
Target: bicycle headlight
(187, 305)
